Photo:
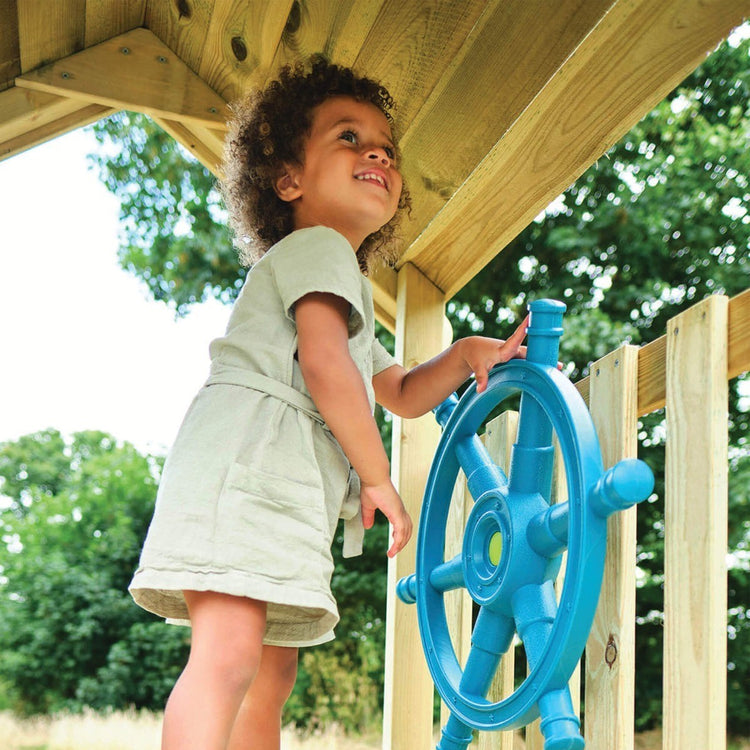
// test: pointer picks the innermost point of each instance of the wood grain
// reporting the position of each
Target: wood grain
(493, 78)
(610, 650)
(407, 712)
(105, 19)
(10, 54)
(132, 71)
(182, 25)
(606, 85)
(695, 521)
(49, 31)
(241, 44)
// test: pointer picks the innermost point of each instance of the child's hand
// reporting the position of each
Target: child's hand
(481, 354)
(384, 497)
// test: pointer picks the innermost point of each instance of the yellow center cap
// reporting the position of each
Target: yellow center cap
(496, 547)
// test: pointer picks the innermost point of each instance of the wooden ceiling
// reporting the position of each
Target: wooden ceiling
(502, 103)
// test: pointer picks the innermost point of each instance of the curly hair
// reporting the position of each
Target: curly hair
(267, 132)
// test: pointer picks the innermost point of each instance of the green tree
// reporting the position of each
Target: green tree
(74, 514)
(660, 222)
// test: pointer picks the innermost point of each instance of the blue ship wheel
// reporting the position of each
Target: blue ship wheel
(513, 542)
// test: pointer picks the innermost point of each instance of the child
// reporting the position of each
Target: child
(281, 440)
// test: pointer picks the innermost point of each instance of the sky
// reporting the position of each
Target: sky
(82, 345)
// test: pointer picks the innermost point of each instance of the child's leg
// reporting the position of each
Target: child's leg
(225, 654)
(258, 724)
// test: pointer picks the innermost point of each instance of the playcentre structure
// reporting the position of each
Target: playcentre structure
(503, 104)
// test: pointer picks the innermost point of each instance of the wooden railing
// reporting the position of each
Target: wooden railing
(687, 371)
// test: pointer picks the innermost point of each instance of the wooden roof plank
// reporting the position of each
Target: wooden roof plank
(49, 31)
(346, 41)
(241, 45)
(84, 115)
(10, 55)
(567, 127)
(489, 82)
(105, 19)
(311, 27)
(133, 71)
(182, 25)
(411, 44)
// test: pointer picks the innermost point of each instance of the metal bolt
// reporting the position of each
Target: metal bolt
(66, 75)
(161, 59)
(213, 110)
(125, 50)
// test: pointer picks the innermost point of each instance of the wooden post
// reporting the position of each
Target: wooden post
(695, 544)
(610, 651)
(407, 711)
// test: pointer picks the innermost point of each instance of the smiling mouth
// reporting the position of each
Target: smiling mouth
(370, 177)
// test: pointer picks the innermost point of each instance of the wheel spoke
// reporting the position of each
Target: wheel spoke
(534, 610)
(482, 473)
(490, 639)
(449, 575)
(531, 464)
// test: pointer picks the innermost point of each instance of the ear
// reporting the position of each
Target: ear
(287, 184)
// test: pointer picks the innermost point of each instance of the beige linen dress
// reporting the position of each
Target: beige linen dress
(255, 483)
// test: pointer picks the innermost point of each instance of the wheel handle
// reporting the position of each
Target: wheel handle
(513, 542)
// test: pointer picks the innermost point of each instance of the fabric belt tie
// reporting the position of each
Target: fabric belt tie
(351, 510)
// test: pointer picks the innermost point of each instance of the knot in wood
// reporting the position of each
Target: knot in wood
(610, 652)
(294, 20)
(239, 48)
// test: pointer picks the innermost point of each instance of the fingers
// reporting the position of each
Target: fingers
(368, 517)
(482, 377)
(401, 535)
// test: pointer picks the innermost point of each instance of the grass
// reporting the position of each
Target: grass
(131, 730)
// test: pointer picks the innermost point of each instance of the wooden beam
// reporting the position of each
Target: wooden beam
(610, 649)
(635, 55)
(384, 283)
(28, 118)
(208, 153)
(133, 71)
(407, 710)
(652, 358)
(489, 82)
(10, 55)
(695, 529)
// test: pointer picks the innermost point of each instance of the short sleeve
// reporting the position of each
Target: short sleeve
(318, 259)
(381, 358)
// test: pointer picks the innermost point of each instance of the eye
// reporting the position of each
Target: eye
(348, 135)
(390, 152)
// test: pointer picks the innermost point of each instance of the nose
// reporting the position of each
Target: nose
(378, 153)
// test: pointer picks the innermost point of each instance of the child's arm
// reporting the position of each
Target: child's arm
(411, 393)
(336, 386)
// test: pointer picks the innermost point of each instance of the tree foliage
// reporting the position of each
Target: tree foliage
(74, 514)
(660, 222)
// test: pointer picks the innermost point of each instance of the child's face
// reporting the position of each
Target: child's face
(349, 180)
